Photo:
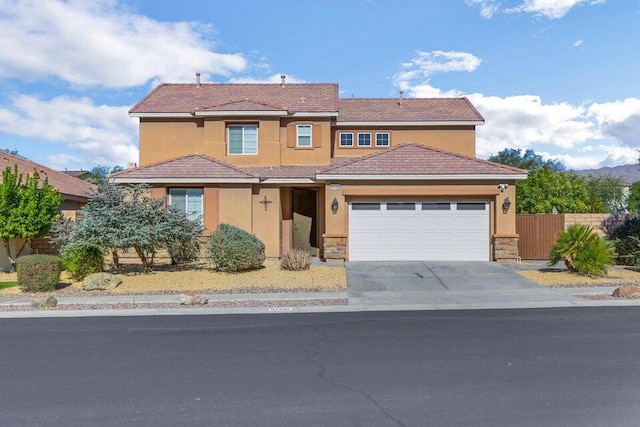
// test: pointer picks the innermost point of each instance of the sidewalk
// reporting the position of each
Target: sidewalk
(357, 302)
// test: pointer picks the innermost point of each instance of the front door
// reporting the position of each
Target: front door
(305, 220)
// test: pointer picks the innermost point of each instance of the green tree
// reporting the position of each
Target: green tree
(98, 174)
(545, 189)
(634, 198)
(10, 151)
(606, 194)
(529, 160)
(28, 207)
(128, 217)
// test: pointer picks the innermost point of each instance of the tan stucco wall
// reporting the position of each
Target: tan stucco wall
(167, 139)
(461, 140)
(266, 222)
(235, 207)
(505, 224)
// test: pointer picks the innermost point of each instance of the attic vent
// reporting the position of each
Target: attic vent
(302, 100)
(283, 78)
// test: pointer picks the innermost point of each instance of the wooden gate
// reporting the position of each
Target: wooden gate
(537, 234)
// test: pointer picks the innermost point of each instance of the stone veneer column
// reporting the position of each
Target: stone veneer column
(505, 248)
(334, 246)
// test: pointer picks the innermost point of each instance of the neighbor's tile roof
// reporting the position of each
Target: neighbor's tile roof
(412, 159)
(188, 98)
(66, 184)
(412, 109)
(190, 166)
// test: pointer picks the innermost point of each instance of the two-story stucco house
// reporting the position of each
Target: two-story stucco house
(357, 179)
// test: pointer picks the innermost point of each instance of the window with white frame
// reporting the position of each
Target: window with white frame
(188, 201)
(364, 139)
(346, 139)
(242, 139)
(303, 137)
(382, 139)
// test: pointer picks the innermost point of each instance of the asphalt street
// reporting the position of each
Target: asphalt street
(536, 367)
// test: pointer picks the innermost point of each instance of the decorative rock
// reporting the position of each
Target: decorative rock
(626, 291)
(49, 302)
(100, 282)
(193, 299)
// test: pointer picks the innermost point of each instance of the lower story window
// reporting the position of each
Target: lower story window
(187, 200)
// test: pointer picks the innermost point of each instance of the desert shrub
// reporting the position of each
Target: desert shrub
(82, 260)
(185, 249)
(232, 249)
(582, 251)
(295, 260)
(626, 240)
(38, 273)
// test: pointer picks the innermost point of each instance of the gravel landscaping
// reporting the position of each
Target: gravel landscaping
(559, 278)
(167, 279)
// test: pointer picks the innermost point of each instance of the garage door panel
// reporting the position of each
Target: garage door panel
(433, 234)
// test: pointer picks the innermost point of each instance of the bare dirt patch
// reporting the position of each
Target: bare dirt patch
(556, 278)
(199, 278)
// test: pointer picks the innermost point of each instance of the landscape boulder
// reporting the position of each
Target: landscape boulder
(192, 299)
(100, 282)
(626, 291)
(48, 302)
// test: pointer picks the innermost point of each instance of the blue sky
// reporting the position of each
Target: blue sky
(559, 76)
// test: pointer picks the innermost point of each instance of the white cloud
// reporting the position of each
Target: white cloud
(552, 9)
(101, 43)
(422, 66)
(95, 134)
(578, 43)
(487, 7)
(589, 135)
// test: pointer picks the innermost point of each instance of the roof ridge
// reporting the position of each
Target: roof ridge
(403, 99)
(367, 156)
(238, 101)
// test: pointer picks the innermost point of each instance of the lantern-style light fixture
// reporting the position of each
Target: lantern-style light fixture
(506, 205)
(334, 206)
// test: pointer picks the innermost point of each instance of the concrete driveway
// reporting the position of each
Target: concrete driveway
(425, 285)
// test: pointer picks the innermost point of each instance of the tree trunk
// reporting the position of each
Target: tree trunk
(116, 258)
(145, 262)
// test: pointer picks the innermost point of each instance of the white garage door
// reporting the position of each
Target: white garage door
(419, 231)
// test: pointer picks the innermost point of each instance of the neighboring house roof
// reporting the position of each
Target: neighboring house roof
(70, 187)
(408, 110)
(193, 168)
(77, 174)
(192, 98)
(412, 161)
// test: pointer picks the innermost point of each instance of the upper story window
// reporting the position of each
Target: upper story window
(187, 200)
(364, 139)
(242, 139)
(303, 136)
(382, 139)
(346, 139)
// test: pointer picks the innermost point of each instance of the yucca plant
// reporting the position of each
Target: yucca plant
(582, 251)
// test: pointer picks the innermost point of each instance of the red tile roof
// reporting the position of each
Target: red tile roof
(413, 159)
(188, 98)
(412, 109)
(196, 166)
(266, 172)
(69, 186)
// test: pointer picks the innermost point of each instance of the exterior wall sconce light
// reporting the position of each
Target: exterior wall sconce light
(334, 206)
(506, 205)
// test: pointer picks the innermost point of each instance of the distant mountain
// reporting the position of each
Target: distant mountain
(628, 173)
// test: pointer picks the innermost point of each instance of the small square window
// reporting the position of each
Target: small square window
(401, 206)
(303, 136)
(346, 139)
(382, 139)
(364, 139)
(436, 206)
(365, 206)
(471, 206)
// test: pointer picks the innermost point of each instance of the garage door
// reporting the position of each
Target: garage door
(419, 231)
